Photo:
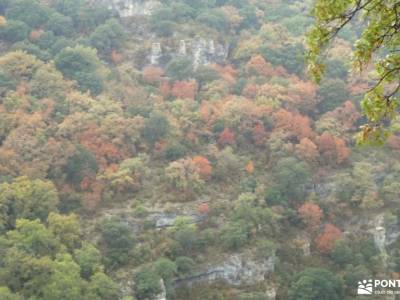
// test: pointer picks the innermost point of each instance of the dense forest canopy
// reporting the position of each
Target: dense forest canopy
(178, 150)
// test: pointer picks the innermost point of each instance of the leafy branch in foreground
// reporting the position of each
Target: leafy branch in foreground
(378, 45)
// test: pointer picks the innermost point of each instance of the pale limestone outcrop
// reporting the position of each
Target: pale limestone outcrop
(131, 8)
(236, 269)
(199, 50)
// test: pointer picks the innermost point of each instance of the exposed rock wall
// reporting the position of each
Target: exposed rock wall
(236, 270)
(384, 233)
(156, 53)
(163, 220)
(200, 51)
(131, 8)
(163, 294)
(378, 231)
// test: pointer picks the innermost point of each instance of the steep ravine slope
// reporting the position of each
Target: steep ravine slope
(177, 150)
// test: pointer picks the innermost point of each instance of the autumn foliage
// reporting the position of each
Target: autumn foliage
(106, 152)
(227, 137)
(34, 35)
(203, 165)
(152, 74)
(258, 66)
(185, 89)
(311, 214)
(333, 148)
(294, 124)
(91, 198)
(165, 89)
(307, 150)
(203, 208)
(227, 72)
(259, 134)
(347, 114)
(394, 142)
(250, 167)
(250, 90)
(232, 128)
(302, 95)
(116, 57)
(326, 241)
(233, 15)
(342, 119)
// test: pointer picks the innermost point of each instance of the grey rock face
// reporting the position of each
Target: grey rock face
(321, 189)
(271, 293)
(200, 51)
(127, 288)
(303, 242)
(163, 294)
(156, 53)
(383, 234)
(205, 52)
(236, 270)
(379, 232)
(392, 233)
(162, 220)
(182, 48)
(131, 8)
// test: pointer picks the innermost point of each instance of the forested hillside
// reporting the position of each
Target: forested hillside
(178, 150)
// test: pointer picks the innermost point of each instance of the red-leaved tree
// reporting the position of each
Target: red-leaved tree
(259, 134)
(185, 89)
(311, 214)
(334, 149)
(203, 166)
(307, 150)
(294, 124)
(226, 137)
(258, 66)
(326, 241)
(152, 74)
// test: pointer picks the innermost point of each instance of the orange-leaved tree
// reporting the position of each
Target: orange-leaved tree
(327, 240)
(333, 148)
(311, 214)
(185, 89)
(203, 165)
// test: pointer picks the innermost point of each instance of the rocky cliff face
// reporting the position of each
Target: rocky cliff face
(200, 51)
(384, 232)
(131, 8)
(236, 270)
(163, 294)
